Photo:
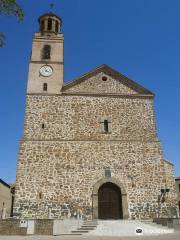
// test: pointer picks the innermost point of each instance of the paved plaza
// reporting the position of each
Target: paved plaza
(172, 236)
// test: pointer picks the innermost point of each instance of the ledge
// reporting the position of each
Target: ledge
(85, 140)
(112, 95)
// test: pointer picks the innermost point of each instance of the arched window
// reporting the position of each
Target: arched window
(46, 53)
(45, 87)
(49, 24)
(57, 27)
(42, 26)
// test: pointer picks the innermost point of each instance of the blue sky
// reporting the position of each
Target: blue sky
(139, 38)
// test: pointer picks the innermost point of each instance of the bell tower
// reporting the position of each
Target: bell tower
(46, 67)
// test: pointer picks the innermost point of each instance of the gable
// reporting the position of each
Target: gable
(96, 84)
(104, 80)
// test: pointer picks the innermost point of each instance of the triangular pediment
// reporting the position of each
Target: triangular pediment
(104, 80)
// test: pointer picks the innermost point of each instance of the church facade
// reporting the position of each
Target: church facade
(90, 147)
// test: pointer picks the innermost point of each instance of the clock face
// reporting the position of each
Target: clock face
(46, 71)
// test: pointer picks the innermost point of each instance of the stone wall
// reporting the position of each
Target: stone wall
(80, 118)
(169, 222)
(43, 227)
(60, 164)
(177, 181)
(5, 200)
(171, 185)
(11, 227)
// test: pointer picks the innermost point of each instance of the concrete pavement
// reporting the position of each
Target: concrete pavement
(172, 236)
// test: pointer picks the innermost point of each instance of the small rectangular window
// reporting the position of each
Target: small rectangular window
(43, 126)
(40, 195)
(106, 127)
(45, 87)
(108, 173)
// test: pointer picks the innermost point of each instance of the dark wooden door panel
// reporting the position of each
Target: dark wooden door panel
(109, 202)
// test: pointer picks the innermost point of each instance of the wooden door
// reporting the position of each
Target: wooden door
(109, 202)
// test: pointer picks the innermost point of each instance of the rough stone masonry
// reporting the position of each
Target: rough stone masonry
(66, 148)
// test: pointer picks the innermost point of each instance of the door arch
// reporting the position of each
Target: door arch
(109, 202)
(96, 187)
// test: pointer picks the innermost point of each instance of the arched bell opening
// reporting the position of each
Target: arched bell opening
(49, 28)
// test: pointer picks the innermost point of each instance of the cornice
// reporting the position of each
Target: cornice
(80, 94)
(47, 62)
(87, 140)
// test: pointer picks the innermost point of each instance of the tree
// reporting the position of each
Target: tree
(10, 7)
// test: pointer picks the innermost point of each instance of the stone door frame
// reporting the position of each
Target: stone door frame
(95, 196)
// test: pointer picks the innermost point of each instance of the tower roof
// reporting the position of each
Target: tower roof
(50, 14)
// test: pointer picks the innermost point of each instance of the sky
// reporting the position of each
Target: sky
(139, 38)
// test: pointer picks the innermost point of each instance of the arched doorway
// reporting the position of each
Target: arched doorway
(109, 201)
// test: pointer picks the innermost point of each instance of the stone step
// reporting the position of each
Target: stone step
(151, 223)
(80, 231)
(85, 228)
(146, 220)
(70, 234)
(89, 225)
(94, 224)
(94, 221)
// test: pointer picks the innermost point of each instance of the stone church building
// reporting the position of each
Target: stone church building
(90, 147)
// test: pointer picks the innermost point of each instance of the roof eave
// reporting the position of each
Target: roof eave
(4, 183)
